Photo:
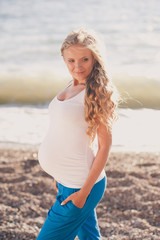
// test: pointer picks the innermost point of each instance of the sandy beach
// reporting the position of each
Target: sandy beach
(129, 209)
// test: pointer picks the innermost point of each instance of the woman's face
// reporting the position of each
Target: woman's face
(79, 61)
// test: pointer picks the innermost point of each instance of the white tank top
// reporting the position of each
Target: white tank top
(65, 152)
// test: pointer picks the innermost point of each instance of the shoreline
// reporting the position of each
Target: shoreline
(114, 149)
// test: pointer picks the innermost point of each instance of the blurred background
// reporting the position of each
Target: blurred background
(32, 70)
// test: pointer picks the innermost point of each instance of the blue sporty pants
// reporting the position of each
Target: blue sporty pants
(65, 222)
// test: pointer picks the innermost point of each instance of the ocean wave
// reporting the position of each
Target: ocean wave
(136, 92)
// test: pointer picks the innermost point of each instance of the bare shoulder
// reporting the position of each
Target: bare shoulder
(63, 94)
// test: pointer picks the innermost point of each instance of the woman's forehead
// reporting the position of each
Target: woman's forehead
(77, 50)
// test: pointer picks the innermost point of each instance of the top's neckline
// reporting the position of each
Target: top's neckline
(69, 99)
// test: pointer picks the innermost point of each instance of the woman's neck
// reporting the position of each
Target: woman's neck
(76, 82)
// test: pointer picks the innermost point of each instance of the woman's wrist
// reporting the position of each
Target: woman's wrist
(85, 191)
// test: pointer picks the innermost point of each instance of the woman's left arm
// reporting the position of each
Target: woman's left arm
(104, 145)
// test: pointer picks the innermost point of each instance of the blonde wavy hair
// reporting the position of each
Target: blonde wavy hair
(101, 96)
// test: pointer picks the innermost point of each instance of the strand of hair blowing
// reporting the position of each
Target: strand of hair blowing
(100, 101)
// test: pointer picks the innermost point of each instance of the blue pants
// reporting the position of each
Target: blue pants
(67, 221)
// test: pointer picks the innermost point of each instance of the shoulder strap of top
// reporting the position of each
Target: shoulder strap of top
(70, 83)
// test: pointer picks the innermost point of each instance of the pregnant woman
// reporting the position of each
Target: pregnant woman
(82, 112)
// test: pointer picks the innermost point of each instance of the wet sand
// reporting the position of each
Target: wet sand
(129, 209)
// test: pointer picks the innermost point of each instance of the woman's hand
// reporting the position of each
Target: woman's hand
(78, 199)
(55, 185)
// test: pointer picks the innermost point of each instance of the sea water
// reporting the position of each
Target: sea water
(31, 66)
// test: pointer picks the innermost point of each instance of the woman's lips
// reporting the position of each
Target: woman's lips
(79, 72)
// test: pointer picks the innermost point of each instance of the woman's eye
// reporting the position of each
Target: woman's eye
(85, 59)
(70, 60)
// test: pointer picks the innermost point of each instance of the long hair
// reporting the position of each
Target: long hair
(101, 96)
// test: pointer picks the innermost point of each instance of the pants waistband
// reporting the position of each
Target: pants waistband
(63, 189)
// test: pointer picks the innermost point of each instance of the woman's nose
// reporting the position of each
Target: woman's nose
(78, 65)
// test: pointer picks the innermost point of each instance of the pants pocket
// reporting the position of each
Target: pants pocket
(75, 206)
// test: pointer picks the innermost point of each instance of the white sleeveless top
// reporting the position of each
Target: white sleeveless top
(65, 152)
